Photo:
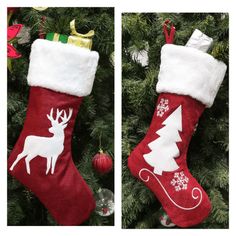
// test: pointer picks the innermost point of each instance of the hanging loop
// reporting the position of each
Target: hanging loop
(169, 36)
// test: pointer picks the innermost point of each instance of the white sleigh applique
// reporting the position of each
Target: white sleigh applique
(47, 147)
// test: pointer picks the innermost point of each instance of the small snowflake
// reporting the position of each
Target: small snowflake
(162, 107)
(180, 181)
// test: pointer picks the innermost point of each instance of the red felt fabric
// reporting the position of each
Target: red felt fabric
(191, 111)
(65, 194)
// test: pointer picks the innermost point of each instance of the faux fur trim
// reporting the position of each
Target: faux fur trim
(188, 71)
(62, 67)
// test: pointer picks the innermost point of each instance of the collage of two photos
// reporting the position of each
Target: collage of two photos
(175, 118)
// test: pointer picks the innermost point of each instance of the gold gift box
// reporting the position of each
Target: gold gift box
(81, 40)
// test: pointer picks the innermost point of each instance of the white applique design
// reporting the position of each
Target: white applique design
(47, 147)
(196, 192)
(162, 107)
(164, 149)
(180, 181)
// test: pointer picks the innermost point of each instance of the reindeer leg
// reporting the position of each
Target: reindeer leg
(54, 160)
(49, 161)
(27, 162)
(19, 157)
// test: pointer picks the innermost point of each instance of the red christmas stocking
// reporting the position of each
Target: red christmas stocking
(188, 82)
(59, 76)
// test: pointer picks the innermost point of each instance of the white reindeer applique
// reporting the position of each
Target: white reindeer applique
(47, 147)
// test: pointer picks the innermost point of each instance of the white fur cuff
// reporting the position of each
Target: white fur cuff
(62, 67)
(188, 71)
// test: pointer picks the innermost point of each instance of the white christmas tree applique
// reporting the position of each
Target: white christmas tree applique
(180, 181)
(162, 107)
(164, 149)
(162, 157)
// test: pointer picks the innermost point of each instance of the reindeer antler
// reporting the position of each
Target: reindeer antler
(66, 118)
(58, 114)
(50, 117)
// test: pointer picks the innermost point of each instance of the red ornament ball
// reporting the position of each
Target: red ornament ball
(102, 163)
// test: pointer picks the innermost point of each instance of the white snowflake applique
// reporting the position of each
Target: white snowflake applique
(180, 181)
(162, 107)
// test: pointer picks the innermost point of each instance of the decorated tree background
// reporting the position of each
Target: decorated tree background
(95, 119)
(142, 39)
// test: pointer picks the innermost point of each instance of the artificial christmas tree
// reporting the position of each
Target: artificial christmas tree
(23, 206)
(139, 207)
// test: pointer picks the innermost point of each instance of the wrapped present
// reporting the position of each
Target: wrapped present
(80, 40)
(57, 37)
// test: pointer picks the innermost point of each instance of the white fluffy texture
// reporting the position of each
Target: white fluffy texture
(62, 67)
(188, 71)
